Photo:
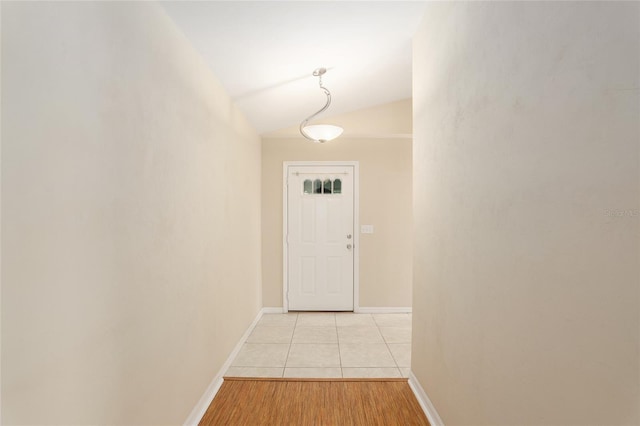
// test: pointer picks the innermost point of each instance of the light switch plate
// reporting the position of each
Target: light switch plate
(366, 229)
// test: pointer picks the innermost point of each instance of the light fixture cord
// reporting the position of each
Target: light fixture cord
(306, 120)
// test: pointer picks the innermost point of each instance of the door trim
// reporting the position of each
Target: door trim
(356, 226)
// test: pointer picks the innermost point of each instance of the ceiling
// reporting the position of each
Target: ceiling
(264, 53)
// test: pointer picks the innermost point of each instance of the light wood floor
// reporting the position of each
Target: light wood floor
(244, 401)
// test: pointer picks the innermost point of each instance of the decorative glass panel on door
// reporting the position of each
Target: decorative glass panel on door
(308, 186)
(317, 186)
(337, 186)
(327, 186)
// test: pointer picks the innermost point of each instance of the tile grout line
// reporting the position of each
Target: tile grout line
(389, 349)
(295, 325)
(335, 320)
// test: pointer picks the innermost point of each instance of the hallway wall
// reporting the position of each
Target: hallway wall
(527, 211)
(130, 219)
(385, 199)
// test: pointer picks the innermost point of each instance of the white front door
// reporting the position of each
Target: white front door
(320, 238)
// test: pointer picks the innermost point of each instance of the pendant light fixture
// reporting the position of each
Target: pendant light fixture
(320, 133)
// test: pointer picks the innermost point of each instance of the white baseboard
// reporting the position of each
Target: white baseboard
(424, 401)
(383, 310)
(205, 400)
(274, 310)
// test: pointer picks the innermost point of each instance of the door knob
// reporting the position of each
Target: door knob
(348, 236)
(349, 246)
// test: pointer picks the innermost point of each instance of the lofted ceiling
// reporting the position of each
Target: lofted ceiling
(264, 53)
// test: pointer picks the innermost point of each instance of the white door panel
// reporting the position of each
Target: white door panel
(320, 223)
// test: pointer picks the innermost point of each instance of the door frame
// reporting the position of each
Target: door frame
(356, 226)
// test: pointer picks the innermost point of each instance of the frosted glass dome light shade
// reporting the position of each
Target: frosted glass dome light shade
(322, 133)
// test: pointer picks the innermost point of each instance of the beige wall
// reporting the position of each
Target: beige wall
(526, 177)
(130, 264)
(385, 199)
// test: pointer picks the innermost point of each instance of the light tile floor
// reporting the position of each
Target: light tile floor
(326, 345)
